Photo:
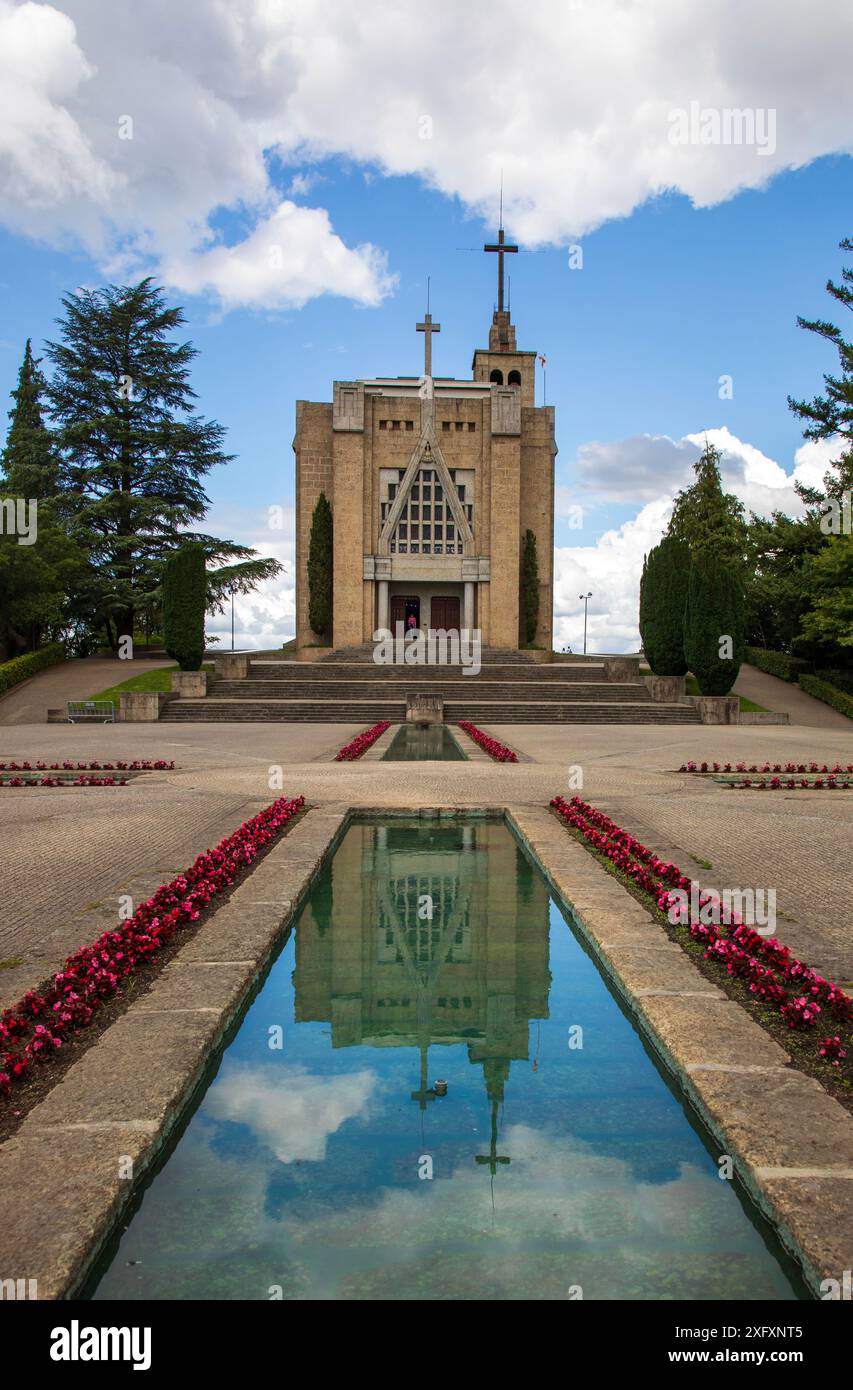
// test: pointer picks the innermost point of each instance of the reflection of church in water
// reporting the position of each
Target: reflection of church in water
(431, 941)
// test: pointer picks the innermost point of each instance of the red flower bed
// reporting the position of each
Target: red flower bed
(773, 975)
(766, 767)
(83, 781)
(117, 765)
(788, 784)
(37, 1025)
(359, 745)
(496, 750)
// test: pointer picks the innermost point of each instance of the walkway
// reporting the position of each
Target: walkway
(784, 698)
(29, 702)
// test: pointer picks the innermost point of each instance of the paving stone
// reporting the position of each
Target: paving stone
(189, 985)
(706, 1030)
(776, 1119)
(818, 1212)
(74, 1193)
(138, 1070)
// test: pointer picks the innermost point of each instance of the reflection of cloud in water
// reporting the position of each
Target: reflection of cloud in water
(555, 1190)
(288, 1108)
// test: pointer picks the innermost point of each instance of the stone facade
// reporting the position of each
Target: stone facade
(432, 483)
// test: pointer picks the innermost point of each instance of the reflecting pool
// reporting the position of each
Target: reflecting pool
(434, 743)
(435, 1096)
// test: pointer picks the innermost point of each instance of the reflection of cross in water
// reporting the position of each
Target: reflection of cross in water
(425, 1094)
(425, 978)
(493, 1158)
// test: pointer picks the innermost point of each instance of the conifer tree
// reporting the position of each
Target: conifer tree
(714, 626)
(529, 588)
(709, 520)
(832, 413)
(184, 604)
(29, 460)
(133, 453)
(663, 595)
(320, 560)
(39, 578)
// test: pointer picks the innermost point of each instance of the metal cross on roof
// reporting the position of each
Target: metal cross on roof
(503, 248)
(428, 328)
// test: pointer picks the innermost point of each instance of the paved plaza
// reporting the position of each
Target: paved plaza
(70, 853)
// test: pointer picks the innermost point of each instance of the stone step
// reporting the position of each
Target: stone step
(371, 711)
(320, 671)
(463, 689)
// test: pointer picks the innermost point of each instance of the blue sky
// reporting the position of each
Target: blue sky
(677, 288)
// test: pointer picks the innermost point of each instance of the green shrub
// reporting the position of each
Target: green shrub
(843, 680)
(663, 595)
(830, 694)
(787, 668)
(320, 569)
(184, 604)
(529, 588)
(20, 668)
(714, 611)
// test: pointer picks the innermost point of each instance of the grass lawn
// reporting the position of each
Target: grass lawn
(747, 706)
(161, 679)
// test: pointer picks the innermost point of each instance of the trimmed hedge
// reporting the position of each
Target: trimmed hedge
(787, 668)
(20, 668)
(830, 694)
(842, 680)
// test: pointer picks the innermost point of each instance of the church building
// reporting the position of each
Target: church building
(432, 483)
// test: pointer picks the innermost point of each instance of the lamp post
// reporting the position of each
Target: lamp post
(586, 598)
(232, 617)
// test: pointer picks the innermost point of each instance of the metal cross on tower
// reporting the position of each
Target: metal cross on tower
(503, 248)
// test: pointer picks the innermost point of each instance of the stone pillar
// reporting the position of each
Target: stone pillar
(382, 616)
(468, 606)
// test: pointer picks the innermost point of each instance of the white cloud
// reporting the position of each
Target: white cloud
(266, 618)
(611, 568)
(571, 100)
(292, 256)
(651, 469)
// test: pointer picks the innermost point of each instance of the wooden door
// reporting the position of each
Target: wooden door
(444, 613)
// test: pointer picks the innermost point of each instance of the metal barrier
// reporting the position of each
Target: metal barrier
(95, 711)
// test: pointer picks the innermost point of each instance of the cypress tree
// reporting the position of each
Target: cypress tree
(529, 587)
(320, 555)
(663, 594)
(184, 604)
(713, 622)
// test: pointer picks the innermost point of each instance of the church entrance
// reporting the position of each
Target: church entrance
(444, 613)
(404, 607)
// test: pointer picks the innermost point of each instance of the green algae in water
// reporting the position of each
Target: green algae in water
(303, 1174)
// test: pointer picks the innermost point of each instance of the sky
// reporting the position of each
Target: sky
(293, 173)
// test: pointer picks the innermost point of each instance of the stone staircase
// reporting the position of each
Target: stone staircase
(349, 687)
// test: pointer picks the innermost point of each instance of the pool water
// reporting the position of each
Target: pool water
(330, 1167)
(434, 743)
